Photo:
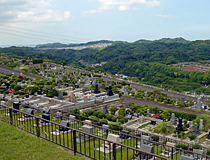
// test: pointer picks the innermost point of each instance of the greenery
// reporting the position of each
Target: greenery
(196, 146)
(164, 128)
(192, 137)
(182, 146)
(20, 145)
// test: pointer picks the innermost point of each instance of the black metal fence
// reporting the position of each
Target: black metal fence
(80, 142)
(139, 133)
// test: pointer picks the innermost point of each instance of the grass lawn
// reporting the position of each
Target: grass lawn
(17, 144)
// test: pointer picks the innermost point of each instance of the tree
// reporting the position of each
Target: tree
(17, 87)
(164, 115)
(128, 89)
(113, 109)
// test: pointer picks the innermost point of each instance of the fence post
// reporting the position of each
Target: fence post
(75, 142)
(37, 127)
(10, 115)
(114, 151)
(172, 153)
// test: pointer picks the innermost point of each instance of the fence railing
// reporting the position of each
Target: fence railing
(80, 142)
(140, 132)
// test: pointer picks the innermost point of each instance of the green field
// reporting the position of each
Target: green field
(17, 144)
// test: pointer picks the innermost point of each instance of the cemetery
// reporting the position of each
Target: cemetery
(162, 137)
(81, 112)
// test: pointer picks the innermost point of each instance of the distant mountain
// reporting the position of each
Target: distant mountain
(172, 40)
(60, 45)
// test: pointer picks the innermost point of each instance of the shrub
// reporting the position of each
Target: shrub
(122, 120)
(109, 117)
(114, 119)
(17, 87)
(181, 134)
(192, 137)
(95, 113)
(208, 152)
(101, 115)
(104, 121)
(90, 112)
(6, 92)
(113, 109)
(182, 146)
(65, 93)
(196, 146)
(115, 126)
(122, 112)
(155, 138)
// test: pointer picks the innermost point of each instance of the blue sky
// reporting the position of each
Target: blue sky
(74, 21)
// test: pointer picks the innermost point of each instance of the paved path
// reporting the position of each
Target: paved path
(4, 70)
(159, 105)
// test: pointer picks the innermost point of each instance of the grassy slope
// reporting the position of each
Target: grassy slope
(16, 144)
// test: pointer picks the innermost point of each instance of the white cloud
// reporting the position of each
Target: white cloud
(122, 5)
(164, 16)
(123, 8)
(30, 11)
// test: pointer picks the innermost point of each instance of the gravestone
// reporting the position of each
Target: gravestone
(197, 153)
(136, 115)
(148, 113)
(169, 147)
(123, 134)
(208, 137)
(72, 118)
(96, 90)
(39, 92)
(16, 105)
(82, 137)
(65, 124)
(201, 125)
(46, 116)
(179, 127)
(183, 157)
(105, 109)
(116, 113)
(110, 93)
(145, 148)
(195, 130)
(60, 95)
(173, 120)
(108, 146)
(29, 111)
(153, 122)
(27, 96)
(129, 117)
(105, 130)
(145, 139)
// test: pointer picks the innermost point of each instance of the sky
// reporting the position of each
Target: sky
(30, 22)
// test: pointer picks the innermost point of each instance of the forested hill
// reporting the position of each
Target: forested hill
(147, 60)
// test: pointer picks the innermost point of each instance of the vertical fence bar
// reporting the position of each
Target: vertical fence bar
(172, 153)
(10, 115)
(37, 127)
(114, 151)
(75, 142)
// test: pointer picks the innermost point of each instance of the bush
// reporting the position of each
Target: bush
(163, 129)
(122, 112)
(196, 146)
(113, 109)
(114, 119)
(155, 138)
(90, 112)
(122, 120)
(101, 115)
(6, 92)
(181, 134)
(115, 126)
(192, 137)
(95, 113)
(208, 152)
(182, 146)
(104, 121)
(65, 93)
(17, 87)
(109, 117)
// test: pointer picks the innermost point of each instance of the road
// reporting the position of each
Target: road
(4, 70)
(159, 105)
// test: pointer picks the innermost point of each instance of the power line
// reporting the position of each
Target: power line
(45, 33)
